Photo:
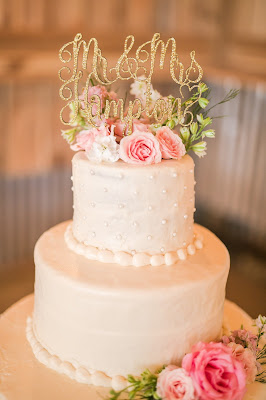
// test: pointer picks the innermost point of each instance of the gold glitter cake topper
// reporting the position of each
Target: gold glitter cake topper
(139, 68)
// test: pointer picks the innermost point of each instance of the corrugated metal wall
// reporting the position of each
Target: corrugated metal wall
(31, 205)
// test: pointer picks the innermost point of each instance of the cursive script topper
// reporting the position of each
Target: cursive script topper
(139, 67)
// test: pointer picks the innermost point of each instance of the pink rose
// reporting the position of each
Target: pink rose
(171, 144)
(140, 148)
(247, 358)
(136, 126)
(95, 90)
(215, 372)
(174, 383)
(85, 138)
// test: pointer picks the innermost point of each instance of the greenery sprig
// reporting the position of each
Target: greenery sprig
(143, 387)
(193, 135)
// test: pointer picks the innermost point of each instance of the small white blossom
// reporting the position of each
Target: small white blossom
(261, 323)
(138, 89)
(104, 148)
(200, 149)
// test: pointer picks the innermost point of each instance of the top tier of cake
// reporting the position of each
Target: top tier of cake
(131, 208)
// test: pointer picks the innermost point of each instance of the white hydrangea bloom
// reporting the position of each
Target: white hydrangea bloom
(104, 148)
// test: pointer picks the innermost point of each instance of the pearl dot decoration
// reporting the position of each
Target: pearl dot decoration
(135, 223)
(150, 208)
(191, 171)
(151, 177)
(186, 216)
(72, 188)
(92, 172)
(71, 178)
(135, 192)
(120, 205)
(93, 234)
(164, 191)
(164, 221)
(175, 204)
(106, 223)
(93, 205)
(133, 258)
(174, 175)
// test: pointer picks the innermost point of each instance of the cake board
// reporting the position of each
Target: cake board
(22, 377)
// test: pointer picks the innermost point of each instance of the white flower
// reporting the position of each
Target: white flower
(138, 89)
(104, 148)
(200, 149)
(261, 322)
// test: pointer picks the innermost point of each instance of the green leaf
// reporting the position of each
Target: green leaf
(203, 102)
(206, 121)
(209, 133)
(171, 124)
(199, 149)
(202, 87)
(184, 132)
(69, 135)
(194, 128)
(200, 118)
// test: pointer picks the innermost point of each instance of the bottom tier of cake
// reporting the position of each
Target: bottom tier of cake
(23, 377)
(114, 320)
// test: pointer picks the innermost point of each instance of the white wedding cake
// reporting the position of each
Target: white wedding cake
(132, 283)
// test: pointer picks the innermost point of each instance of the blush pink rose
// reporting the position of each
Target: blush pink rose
(95, 90)
(140, 148)
(85, 138)
(171, 144)
(136, 126)
(247, 358)
(215, 372)
(174, 383)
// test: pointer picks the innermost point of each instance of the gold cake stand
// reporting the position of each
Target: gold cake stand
(22, 377)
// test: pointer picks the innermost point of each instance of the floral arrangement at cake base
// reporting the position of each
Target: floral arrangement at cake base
(211, 371)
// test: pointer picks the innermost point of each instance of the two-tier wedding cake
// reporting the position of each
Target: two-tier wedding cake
(132, 283)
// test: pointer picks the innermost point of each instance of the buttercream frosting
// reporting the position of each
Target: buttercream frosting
(87, 312)
(137, 259)
(122, 207)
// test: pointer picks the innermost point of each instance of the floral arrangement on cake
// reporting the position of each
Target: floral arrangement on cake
(211, 371)
(149, 142)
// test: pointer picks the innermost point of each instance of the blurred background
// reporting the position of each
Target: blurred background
(229, 38)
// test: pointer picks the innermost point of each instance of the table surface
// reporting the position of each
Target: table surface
(22, 377)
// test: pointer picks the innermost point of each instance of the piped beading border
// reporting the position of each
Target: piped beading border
(80, 374)
(127, 259)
